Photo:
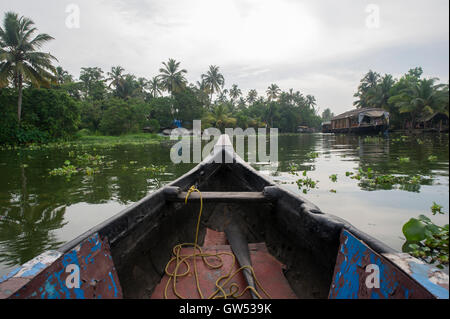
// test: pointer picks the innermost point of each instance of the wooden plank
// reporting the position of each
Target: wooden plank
(361, 273)
(223, 197)
(86, 272)
(434, 280)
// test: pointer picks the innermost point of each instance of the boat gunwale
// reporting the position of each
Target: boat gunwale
(224, 150)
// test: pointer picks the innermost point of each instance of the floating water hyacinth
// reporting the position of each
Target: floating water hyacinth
(426, 240)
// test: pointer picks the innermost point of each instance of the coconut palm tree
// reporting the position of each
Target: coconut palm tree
(171, 78)
(252, 96)
(214, 80)
(380, 94)
(420, 99)
(273, 91)
(311, 101)
(369, 82)
(116, 77)
(235, 92)
(154, 86)
(19, 59)
(62, 76)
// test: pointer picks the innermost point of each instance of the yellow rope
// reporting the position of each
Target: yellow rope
(180, 260)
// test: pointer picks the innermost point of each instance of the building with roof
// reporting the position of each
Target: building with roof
(367, 120)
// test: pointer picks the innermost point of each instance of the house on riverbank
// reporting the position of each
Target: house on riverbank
(367, 120)
(437, 122)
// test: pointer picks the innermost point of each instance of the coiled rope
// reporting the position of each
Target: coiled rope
(179, 259)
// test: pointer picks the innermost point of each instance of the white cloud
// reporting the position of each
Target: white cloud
(317, 47)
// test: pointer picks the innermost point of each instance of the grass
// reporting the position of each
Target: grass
(141, 138)
(94, 141)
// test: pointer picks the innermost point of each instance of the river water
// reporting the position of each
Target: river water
(39, 212)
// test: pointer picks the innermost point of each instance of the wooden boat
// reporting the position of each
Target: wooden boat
(303, 252)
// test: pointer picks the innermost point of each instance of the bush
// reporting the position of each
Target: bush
(117, 119)
(46, 115)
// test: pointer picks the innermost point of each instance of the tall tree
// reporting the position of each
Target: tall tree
(115, 77)
(369, 82)
(379, 95)
(154, 86)
(235, 92)
(421, 99)
(311, 102)
(252, 96)
(273, 91)
(19, 59)
(171, 77)
(62, 76)
(327, 115)
(214, 80)
(93, 83)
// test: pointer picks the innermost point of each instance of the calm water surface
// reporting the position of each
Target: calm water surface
(39, 212)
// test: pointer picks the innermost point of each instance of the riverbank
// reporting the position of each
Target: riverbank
(93, 140)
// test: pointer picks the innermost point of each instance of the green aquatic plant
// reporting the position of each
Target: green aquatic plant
(155, 169)
(67, 170)
(312, 155)
(333, 178)
(306, 184)
(88, 159)
(436, 209)
(404, 160)
(426, 240)
(371, 180)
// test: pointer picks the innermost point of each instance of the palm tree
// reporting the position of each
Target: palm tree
(116, 77)
(311, 101)
(420, 99)
(202, 92)
(62, 76)
(252, 96)
(369, 82)
(235, 92)
(380, 94)
(141, 85)
(19, 59)
(171, 78)
(214, 80)
(273, 91)
(223, 96)
(154, 86)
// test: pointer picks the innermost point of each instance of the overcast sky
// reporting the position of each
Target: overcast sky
(319, 47)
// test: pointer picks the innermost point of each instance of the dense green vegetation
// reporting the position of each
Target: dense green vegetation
(117, 103)
(407, 99)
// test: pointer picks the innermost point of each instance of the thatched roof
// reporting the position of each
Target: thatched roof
(371, 112)
(432, 116)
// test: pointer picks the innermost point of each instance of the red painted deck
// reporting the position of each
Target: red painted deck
(268, 271)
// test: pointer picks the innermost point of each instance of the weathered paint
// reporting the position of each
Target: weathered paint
(24, 274)
(97, 275)
(434, 280)
(350, 274)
